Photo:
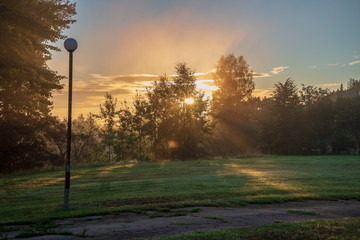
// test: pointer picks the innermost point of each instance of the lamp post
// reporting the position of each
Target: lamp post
(70, 45)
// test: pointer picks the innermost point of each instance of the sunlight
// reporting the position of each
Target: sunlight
(263, 177)
(206, 85)
(189, 101)
(37, 182)
(173, 144)
(109, 169)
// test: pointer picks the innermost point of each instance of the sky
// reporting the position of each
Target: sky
(124, 45)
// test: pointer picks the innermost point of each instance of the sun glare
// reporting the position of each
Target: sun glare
(189, 100)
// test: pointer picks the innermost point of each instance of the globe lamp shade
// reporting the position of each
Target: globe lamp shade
(70, 44)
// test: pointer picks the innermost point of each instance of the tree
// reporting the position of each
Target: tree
(28, 27)
(318, 115)
(108, 115)
(234, 81)
(85, 140)
(130, 139)
(175, 129)
(85, 145)
(347, 129)
(232, 105)
(140, 111)
(193, 124)
(321, 121)
(309, 95)
(285, 95)
(159, 115)
(266, 121)
(291, 133)
(55, 140)
(354, 84)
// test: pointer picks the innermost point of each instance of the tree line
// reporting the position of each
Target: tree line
(171, 120)
(293, 120)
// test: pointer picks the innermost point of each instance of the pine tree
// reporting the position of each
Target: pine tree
(28, 27)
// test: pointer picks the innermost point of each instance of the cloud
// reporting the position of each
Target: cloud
(274, 71)
(88, 95)
(354, 62)
(206, 85)
(127, 78)
(312, 67)
(332, 64)
(260, 75)
(263, 92)
(278, 70)
(356, 57)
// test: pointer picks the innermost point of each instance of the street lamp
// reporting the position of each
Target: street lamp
(70, 45)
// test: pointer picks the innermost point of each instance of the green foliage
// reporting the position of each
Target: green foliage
(308, 121)
(285, 95)
(108, 114)
(195, 210)
(234, 80)
(160, 125)
(321, 120)
(85, 141)
(177, 129)
(132, 140)
(288, 119)
(233, 106)
(310, 95)
(347, 128)
(27, 28)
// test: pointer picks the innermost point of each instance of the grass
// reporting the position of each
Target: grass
(314, 230)
(302, 212)
(216, 218)
(101, 189)
(179, 213)
(8, 229)
(195, 210)
(40, 229)
(171, 214)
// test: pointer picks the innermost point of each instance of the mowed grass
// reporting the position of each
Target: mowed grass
(149, 185)
(314, 230)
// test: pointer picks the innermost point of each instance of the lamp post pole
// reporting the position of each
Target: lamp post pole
(70, 45)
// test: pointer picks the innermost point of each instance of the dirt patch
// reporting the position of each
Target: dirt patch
(186, 220)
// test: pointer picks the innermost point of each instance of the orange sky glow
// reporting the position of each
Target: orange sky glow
(125, 46)
(88, 95)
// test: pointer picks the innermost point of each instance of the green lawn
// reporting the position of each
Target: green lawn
(314, 230)
(225, 182)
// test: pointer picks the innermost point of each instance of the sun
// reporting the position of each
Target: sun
(189, 100)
